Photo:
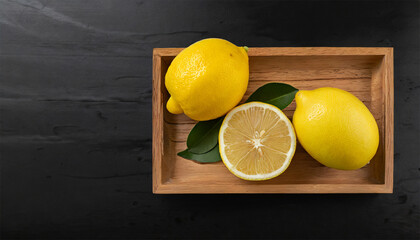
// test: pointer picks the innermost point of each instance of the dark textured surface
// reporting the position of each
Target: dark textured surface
(76, 123)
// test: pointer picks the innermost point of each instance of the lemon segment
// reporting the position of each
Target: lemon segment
(257, 141)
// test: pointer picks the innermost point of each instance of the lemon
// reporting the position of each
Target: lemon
(207, 79)
(256, 141)
(335, 128)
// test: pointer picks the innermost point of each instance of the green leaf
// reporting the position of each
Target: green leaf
(209, 157)
(277, 94)
(204, 136)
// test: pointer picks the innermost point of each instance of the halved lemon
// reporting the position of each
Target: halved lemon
(257, 141)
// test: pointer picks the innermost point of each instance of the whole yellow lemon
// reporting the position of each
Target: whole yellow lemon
(335, 128)
(207, 79)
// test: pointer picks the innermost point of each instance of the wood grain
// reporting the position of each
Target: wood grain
(365, 72)
(157, 121)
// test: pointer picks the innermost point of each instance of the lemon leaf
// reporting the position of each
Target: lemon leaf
(209, 157)
(277, 94)
(203, 137)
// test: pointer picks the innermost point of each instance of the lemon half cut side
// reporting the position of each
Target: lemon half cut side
(257, 141)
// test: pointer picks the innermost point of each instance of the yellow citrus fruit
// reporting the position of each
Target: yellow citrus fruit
(335, 128)
(207, 79)
(256, 141)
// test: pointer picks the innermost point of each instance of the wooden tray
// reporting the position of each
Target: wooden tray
(365, 72)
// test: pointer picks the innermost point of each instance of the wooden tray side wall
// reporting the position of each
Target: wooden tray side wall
(366, 72)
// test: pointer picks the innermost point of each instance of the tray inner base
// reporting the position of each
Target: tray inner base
(360, 75)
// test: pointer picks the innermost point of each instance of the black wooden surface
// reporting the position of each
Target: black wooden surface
(76, 123)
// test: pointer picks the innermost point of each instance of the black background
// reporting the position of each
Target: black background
(76, 122)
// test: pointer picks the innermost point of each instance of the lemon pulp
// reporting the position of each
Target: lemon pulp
(257, 141)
